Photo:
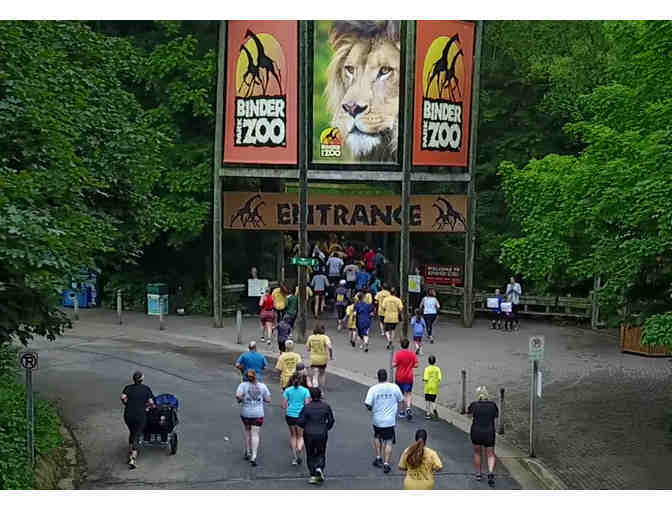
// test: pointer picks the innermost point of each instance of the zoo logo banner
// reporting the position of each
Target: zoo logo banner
(260, 117)
(443, 77)
(356, 76)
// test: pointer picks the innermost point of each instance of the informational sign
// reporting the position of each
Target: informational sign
(356, 76)
(536, 347)
(492, 302)
(260, 117)
(414, 283)
(436, 274)
(29, 360)
(506, 307)
(304, 261)
(380, 213)
(256, 287)
(443, 77)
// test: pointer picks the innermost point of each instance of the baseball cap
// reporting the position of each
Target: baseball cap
(342, 282)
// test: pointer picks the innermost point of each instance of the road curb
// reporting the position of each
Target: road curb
(69, 479)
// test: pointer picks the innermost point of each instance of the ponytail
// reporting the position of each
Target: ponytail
(295, 380)
(417, 450)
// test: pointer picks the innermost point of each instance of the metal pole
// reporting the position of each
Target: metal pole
(533, 400)
(75, 304)
(217, 183)
(409, 59)
(303, 175)
(119, 305)
(239, 326)
(30, 414)
(463, 409)
(501, 412)
(470, 238)
(595, 304)
(161, 313)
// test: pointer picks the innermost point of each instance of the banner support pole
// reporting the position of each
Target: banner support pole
(303, 176)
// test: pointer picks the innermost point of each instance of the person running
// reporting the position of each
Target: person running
(334, 267)
(292, 310)
(251, 360)
(350, 272)
(363, 279)
(391, 308)
(419, 327)
(363, 313)
(283, 330)
(420, 464)
(341, 294)
(375, 285)
(432, 379)
(318, 345)
(287, 363)
(136, 398)
(382, 400)
(267, 315)
(279, 296)
(379, 262)
(302, 372)
(251, 395)
(294, 398)
(405, 361)
(351, 322)
(369, 255)
(430, 309)
(319, 285)
(484, 412)
(316, 420)
(380, 297)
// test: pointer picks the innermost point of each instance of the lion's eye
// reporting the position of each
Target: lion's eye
(384, 71)
(349, 69)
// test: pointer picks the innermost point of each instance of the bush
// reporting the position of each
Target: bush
(658, 330)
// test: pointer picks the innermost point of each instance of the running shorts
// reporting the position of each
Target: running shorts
(417, 339)
(430, 398)
(254, 422)
(384, 434)
(390, 326)
(363, 331)
(405, 387)
(340, 311)
(321, 367)
(291, 421)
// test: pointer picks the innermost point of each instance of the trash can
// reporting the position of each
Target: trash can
(157, 293)
(80, 294)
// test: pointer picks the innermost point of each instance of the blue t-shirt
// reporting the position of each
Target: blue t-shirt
(296, 399)
(362, 280)
(419, 326)
(253, 360)
(383, 399)
(363, 311)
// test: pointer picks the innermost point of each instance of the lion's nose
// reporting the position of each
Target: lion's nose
(354, 109)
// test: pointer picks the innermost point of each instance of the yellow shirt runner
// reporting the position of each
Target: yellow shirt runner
(350, 314)
(318, 346)
(287, 362)
(391, 309)
(422, 477)
(432, 378)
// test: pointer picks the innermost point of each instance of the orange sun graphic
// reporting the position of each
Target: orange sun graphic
(260, 69)
(443, 71)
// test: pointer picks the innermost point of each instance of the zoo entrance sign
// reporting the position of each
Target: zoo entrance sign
(379, 213)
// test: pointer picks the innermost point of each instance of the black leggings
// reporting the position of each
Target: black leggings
(429, 320)
(136, 427)
(316, 451)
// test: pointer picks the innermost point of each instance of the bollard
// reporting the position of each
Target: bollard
(239, 326)
(464, 392)
(160, 313)
(501, 412)
(75, 303)
(119, 305)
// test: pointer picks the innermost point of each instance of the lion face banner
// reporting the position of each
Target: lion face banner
(356, 76)
(260, 113)
(443, 77)
(249, 210)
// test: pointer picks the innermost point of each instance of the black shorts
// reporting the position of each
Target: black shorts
(382, 318)
(321, 367)
(384, 434)
(430, 398)
(480, 437)
(136, 427)
(390, 326)
(340, 312)
(255, 422)
(291, 421)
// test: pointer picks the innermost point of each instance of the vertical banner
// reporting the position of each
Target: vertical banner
(356, 76)
(443, 77)
(261, 108)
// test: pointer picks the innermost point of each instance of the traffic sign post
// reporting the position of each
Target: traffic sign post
(29, 361)
(536, 352)
(304, 261)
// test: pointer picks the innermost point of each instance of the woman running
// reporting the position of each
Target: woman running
(251, 395)
(420, 464)
(430, 310)
(293, 400)
(136, 398)
(484, 412)
(266, 315)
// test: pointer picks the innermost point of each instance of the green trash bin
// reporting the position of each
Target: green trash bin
(157, 293)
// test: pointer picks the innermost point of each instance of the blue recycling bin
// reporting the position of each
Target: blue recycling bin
(82, 296)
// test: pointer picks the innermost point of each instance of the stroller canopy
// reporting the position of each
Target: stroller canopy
(167, 399)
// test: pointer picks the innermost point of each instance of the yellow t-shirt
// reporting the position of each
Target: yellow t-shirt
(368, 298)
(279, 299)
(391, 309)
(380, 297)
(432, 378)
(318, 345)
(350, 314)
(309, 292)
(422, 477)
(287, 362)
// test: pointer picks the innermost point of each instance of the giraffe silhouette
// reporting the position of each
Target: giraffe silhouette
(265, 62)
(245, 213)
(252, 71)
(441, 66)
(450, 77)
(448, 216)
(332, 135)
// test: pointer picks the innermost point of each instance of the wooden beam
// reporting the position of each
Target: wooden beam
(341, 175)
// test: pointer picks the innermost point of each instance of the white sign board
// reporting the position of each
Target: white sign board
(414, 283)
(506, 307)
(539, 384)
(493, 302)
(537, 347)
(256, 287)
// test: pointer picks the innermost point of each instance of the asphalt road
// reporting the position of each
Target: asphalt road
(86, 376)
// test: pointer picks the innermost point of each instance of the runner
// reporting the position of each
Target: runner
(266, 315)
(136, 398)
(430, 308)
(316, 420)
(363, 278)
(351, 321)
(294, 398)
(391, 308)
(252, 395)
(379, 263)
(319, 285)
(282, 330)
(292, 310)
(380, 297)
(419, 327)
(287, 363)
(318, 345)
(341, 294)
(363, 312)
(484, 411)
(382, 400)
(369, 255)
(432, 378)
(251, 360)
(405, 361)
(350, 272)
(420, 464)
(279, 296)
(302, 372)
(334, 267)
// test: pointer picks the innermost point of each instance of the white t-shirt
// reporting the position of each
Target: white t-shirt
(351, 272)
(319, 282)
(334, 264)
(429, 305)
(253, 396)
(513, 292)
(384, 400)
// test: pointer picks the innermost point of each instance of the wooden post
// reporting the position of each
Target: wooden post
(217, 184)
(470, 239)
(119, 305)
(595, 303)
(463, 407)
(239, 326)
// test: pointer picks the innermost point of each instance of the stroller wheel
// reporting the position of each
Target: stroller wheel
(173, 443)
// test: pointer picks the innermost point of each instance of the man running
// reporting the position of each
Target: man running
(363, 313)
(391, 308)
(341, 294)
(350, 272)
(405, 361)
(316, 420)
(380, 297)
(287, 362)
(382, 400)
(251, 360)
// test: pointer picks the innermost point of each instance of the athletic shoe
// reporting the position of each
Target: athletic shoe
(320, 474)
(386, 468)
(436, 414)
(402, 414)
(417, 352)
(247, 456)
(389, 345)
(253, 462)
(431, 339)
(361, 346)
(295, 462)
(491, 479)
(366, 349)
(313, 480)
(131, 464)
(409, 414)
(352, 342)
(428, 416)
(479, 477)
(299, 460)
(377, 462)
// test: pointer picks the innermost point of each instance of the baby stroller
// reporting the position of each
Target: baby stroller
(161, 422)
